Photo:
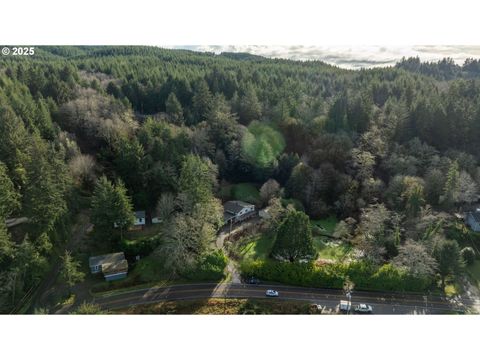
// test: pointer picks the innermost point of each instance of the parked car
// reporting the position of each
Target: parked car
(345, 306)
(253, 281)
(272, 293)
(363, 309)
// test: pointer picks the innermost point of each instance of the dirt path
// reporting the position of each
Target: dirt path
(471, 294)
(233, 272)
(225, 231)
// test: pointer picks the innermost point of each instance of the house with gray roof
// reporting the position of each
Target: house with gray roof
(139, 218)
(237, 211)
(473, 220)
(113, 266)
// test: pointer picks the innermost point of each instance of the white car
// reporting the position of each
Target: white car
(364, 309)
(272, 293)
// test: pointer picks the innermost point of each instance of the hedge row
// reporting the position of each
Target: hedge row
(365, 276)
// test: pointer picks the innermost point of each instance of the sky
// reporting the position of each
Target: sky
(349, 57)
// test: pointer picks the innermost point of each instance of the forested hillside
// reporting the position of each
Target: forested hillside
(389, 152)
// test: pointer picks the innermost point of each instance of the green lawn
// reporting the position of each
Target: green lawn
(243, 191)
(139, 235)
(474, 272)
(149, 269)
(326, 249)
(326, 225)
(258, 248)
(331, 251)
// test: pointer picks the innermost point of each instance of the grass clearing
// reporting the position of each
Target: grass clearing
(140, 235)
(245, 192)
(149, 269)
(330, 250)
(326, 248)
(326, 225)
(474, 273)
(257, 248)
(242, 191)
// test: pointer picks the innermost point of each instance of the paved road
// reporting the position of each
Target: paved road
(383, 303)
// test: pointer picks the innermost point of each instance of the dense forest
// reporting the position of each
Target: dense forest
(389, 152)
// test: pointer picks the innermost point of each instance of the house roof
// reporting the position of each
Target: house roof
(227, 216)
(106, 259)
(140, 214)
(235, 206)
(115, 267)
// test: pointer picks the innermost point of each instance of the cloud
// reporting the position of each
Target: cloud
(350, 57)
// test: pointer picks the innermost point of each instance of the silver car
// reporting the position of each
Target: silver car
(363, 309)
(272, 293)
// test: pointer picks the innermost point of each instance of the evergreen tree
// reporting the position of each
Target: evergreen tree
(130, 163)
(413, 195)
(9, 198)
(198, 179)
(110, 207)
(450, 190)
(249, 108)
(174, 109)
(294, 238)
(7, 249)
(447, 255)
(70, 272)
(202, 101)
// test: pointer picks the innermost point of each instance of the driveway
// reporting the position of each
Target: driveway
(225, 232)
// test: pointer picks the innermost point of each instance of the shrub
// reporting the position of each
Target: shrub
(209, 268)
(468, 255)
(365, 275)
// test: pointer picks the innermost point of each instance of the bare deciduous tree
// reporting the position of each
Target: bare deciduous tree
(82, 168)
(415, 258)
(467, 188)
(269, 190)
(165, 206)
(97, 117)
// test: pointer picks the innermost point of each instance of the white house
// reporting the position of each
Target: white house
(138, 221)
(473, 220)
(139, 218)
(236, 211)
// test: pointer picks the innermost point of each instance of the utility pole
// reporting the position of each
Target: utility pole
(349, 297)
(348, 286)
(225, 300)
